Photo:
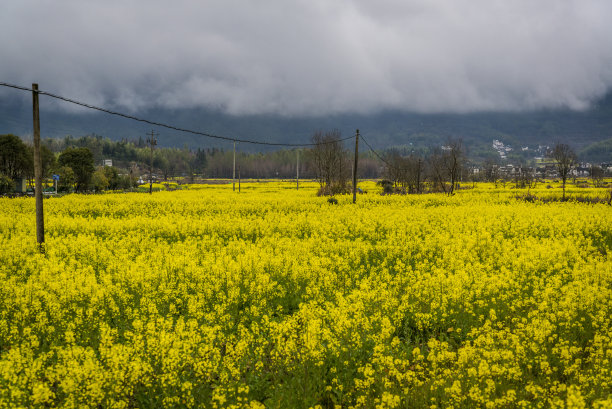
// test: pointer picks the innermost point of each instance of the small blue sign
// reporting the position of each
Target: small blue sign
(56, 177)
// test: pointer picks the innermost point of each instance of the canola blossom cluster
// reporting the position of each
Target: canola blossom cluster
(273, 297)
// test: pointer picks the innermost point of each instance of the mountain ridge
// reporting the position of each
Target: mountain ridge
(581, 129)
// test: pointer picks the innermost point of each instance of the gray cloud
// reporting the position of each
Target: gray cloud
(312, 57)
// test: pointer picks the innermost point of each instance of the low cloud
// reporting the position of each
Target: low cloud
(312, 57)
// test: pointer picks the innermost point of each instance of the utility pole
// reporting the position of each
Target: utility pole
(355, 166)
(238, 178)
(297, 171)
(152, 141)
(234, 170)
(419, 162)
(40, 217)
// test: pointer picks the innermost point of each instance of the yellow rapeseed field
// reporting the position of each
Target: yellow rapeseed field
(209, 298)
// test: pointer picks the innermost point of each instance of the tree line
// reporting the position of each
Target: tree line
(78, 162)
(74, 165)
(441, 169)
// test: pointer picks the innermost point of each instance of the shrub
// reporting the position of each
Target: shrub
(387, 186)
(334, 189)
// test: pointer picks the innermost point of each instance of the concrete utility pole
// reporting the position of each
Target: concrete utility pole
(234, 170)
(152, 141)
(40, 218)
(238, 179)
(355, 166)
(297, 171)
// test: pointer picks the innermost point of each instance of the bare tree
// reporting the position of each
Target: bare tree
(414, 176)
(524, 176)
(406, 172)
(445, 165)
(565, 160)
(597, 175)
(491, 171)
(394, 166)
(331, 162)
(436, 169)
(454, 162)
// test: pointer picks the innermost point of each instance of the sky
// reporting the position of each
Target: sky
(311, 57)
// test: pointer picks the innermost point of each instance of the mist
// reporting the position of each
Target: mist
(312, 58)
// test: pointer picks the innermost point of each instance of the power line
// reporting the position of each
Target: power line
(379, 157)
(160, 124)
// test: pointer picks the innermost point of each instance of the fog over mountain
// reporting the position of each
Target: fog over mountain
(584, 130)
(311, 58)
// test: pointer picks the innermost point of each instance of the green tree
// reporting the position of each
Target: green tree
(67, 179)
(47, 159)
(81, 161)
(112, 176)
(199, 161)
(7, 185)
(126, 182)
(15, 158)
(99, 180)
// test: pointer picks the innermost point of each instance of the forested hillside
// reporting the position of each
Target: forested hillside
(583, 130)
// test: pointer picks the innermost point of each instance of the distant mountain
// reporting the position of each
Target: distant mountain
(582, 130)
(598, 151)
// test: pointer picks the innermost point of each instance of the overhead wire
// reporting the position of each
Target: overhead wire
(380, 157)
(163, 125)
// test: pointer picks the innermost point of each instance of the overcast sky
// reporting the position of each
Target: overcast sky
(312, 57)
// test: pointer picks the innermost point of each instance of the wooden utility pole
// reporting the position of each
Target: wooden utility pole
(152, 142)
(355, 166)
(420, 163)
(297, 172)
(40, 218)
(234, 170)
